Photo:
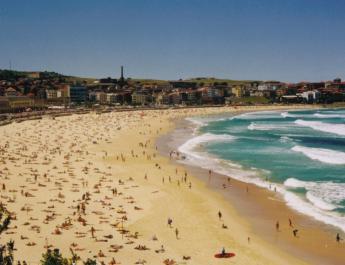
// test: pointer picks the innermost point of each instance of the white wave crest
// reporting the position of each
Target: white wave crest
(322, 126)
(187, 147)
(265, 127)
(258, 115)
(285, 139)
(323, 194)
(324, 155)
(287, 114)
(196, 121)
(325, 116)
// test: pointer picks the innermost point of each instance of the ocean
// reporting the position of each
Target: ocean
(300, 154)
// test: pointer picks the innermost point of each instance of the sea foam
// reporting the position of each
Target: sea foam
(189, 146)
(266, 127)
(325, 195)
(327, 116)
(322, 126)
(323, 155)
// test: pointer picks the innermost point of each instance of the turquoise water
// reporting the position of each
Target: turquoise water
(301, 154)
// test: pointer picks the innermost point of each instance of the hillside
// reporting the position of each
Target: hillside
(13, 75)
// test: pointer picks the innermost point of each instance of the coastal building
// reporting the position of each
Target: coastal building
(310, 96)
(63, 91)
(11, 92)
(100, 97)
(214, 92)
(269, 85)
(77, 94)
(21, 102)
(237, 90)
(256, 93)
(92, 97)
(141, 98)
(4, 103)
(112, 98)
(291, 99)
(51, 93)
(175, 98)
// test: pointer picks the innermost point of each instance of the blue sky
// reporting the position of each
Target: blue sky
(290, 40)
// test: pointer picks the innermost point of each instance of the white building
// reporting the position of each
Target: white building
(51, 93)
(311, 96)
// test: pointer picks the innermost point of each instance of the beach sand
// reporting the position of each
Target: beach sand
(98, 185)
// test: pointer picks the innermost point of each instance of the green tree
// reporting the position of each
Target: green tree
(53, 257)
(6, 250)
(90, 262)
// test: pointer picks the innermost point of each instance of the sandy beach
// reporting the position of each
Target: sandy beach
(98, 184)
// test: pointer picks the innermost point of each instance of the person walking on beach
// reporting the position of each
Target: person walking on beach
(290, 223)
(219, 215)
(176, 233)
(338, 238)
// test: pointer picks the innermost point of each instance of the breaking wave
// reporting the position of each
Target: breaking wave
(322, 126)
(321, 154)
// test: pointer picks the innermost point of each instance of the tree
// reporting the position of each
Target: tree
(90, 262)
(6, 250)
(53, 257)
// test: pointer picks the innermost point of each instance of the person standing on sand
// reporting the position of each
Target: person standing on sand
(169, 222)
(93, 232)
(223, 251)
(290, 223)
(277, 226)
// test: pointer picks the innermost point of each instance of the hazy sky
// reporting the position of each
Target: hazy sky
(288, 40)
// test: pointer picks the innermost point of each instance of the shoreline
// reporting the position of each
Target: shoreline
(50, 164)
(262, 202)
